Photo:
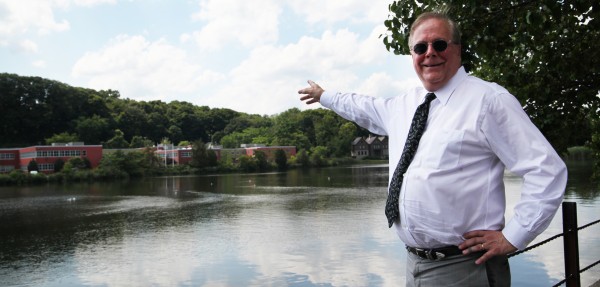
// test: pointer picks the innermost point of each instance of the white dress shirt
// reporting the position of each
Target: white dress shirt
(475, 130)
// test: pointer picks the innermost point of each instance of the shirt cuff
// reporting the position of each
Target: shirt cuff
(518, 236)
(326, 99)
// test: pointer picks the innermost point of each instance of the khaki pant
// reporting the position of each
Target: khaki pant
(459, 270)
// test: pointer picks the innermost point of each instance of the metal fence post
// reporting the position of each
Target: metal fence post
(571, 244)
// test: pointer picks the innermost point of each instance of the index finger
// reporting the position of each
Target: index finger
(474, 233)
(307, 90)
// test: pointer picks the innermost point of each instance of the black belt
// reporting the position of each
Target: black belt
(435, 253)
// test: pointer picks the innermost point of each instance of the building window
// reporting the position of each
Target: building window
(6, 168)
(7, 156)
(45, 166)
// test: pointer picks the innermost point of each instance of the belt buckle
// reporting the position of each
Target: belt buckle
(432, 255)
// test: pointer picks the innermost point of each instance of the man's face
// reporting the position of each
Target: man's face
(435, 68)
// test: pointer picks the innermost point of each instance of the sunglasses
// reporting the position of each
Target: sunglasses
(438, 45)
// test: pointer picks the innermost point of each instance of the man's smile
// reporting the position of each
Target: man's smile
(432, 65)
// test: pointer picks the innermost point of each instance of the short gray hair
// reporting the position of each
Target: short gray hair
(442, 15)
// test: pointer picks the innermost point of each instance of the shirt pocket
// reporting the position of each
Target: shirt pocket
(442, 149)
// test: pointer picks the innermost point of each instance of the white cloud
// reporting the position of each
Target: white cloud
(383, 85)
(315, 11)
(143, 70)
(89, 3)
(30, 15)
(267, 82)
(22, 22)
(250, 23)
(25, 46)
(39, 64)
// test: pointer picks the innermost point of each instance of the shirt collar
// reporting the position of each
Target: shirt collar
(446, 91)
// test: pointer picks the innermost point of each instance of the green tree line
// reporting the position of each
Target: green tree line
(39, 111)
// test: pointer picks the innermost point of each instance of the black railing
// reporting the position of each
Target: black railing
(571, 245)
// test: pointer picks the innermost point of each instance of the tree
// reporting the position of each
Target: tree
(58, 165)
(140, 141)
(302, 158)
(133, 120)
(117, 141)
(175, 133)
(281, 159)
(249, 135)
(318, 156)
(93, 130)
(342, 143)
(595, 145)
(62, 138)
(533, 48)
(212, 158)
(248, 163)
(200, 156)
(32, 166)
(76, 163)
(261, 160)
(132, 164)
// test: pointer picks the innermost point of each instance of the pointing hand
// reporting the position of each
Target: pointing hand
(311, 94)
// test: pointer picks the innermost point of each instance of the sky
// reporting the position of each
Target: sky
(249, 56)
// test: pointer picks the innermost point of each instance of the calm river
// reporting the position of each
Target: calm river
(317, 227)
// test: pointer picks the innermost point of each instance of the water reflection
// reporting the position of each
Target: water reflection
(317, 227)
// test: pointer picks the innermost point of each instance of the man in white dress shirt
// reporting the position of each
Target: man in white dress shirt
(452, 198)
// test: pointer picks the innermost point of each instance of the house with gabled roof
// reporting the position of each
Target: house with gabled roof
(371, 146)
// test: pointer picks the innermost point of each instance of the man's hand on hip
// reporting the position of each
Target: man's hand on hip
(492, 242)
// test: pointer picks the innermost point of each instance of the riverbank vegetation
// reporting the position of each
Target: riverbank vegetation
(119, 165)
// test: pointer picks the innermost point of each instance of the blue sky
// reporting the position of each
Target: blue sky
(249, 56)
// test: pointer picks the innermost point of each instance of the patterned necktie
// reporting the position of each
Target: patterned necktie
(417, 127)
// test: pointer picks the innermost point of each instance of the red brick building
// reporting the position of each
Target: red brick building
(9, 160)
(269, 150)
(46, 156)
(249, 149)
(174, 155)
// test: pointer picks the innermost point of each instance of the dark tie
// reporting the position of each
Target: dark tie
(417, 127)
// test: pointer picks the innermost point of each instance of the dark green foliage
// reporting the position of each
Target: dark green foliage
(58, 165)
(302, 158)
(93, 130)
(261, 160)
(281, 159)
(212, 158)
(318, 156)
(248, 164)
(62, 138)
(32, 166)
(200, 157)
(594, 144)
(117, 141)
(121, 164)
(140, 141)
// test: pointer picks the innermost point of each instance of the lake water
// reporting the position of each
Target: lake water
(316, 227)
